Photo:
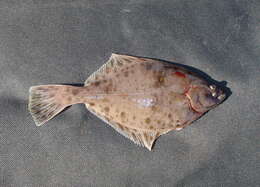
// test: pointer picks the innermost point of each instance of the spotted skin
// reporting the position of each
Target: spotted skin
(146, 79)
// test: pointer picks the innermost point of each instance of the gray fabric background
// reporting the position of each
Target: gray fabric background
(51, 41)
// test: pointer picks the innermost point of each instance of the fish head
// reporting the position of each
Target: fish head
(204, 97)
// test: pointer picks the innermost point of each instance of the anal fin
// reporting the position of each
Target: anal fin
(140, 137)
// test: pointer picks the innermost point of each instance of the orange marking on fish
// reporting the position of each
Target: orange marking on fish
(180, 74)
(186, 91)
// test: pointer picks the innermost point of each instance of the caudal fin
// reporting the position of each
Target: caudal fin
(44, 102)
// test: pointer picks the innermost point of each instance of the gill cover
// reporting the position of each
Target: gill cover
(203, 97)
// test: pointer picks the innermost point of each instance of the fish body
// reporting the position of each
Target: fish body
(141, 98)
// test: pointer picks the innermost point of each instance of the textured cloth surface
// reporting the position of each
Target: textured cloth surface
(51, 41)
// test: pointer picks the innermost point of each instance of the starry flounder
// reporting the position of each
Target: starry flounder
(141, 98)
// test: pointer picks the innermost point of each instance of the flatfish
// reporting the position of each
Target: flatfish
(140, 98)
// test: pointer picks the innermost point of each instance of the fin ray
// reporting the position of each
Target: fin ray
(43, 105)
(139, 137)
(114, 62)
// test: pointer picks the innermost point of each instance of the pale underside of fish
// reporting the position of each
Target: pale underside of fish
(141, 98)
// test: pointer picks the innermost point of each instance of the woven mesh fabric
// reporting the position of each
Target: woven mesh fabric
(50, 42)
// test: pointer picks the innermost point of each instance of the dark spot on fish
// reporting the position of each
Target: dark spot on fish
(154, 108)
(91, 104)
(126, 74)
(106, 109)
(169, 116)
(96, 83)
(147, 120)
(159, 121)
(105, 100)
(108, 88)
(161, 79)
(169, 125)
(134, 117)
(75, 91)
(159, 82)
(111, 117)
(67, 89)
(178, 126)
(151, 127)
(126, 128)
(122, 114)
(69, 99)
(119, 63)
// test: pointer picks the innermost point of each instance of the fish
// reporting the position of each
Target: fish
(141, 98)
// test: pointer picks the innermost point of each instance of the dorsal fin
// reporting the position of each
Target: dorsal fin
(140, 137)
(115, 61)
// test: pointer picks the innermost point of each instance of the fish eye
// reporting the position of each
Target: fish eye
(222, 96)
(214, 94)
(212, 87)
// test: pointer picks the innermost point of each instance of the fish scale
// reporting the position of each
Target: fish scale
(140, 98)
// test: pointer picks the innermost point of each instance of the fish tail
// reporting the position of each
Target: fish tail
(46, 101)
